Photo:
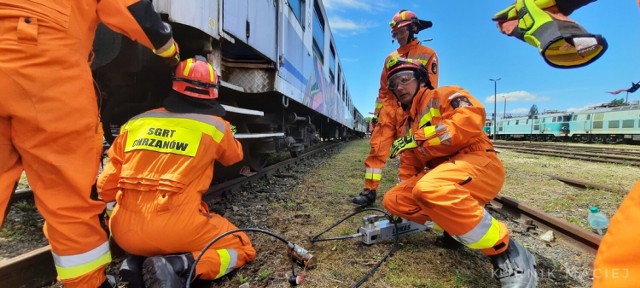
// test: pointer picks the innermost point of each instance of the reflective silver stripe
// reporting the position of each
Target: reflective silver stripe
(373, 174)
(478, 232)
(233, 260)
(81, 259)
(455, 95)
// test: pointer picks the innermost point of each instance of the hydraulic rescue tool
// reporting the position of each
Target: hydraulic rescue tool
(378, 228)
(374, 229)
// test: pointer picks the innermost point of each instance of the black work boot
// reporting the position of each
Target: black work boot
(167, 271)
(366, 198)
(515, 267)
(447, 242)
(130, 272)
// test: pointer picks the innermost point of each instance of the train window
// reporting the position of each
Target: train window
(318, 32)
(517, 121)
(597, 124)
(588, 116)
(332, 63)
(628, 123)
(614, 124)
(297, 7)
(575, 117)
(566, 118)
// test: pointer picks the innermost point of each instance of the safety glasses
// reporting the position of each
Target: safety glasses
(401, 78)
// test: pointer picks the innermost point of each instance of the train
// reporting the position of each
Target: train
(282, 82)
(601, 124)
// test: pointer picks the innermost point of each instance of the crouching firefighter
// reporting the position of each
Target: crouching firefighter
(456, 171)
(159, 167)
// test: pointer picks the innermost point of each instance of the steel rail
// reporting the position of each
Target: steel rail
(568, 232)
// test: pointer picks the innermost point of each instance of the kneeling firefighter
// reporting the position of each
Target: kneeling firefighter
(456, 171)
(159, 167)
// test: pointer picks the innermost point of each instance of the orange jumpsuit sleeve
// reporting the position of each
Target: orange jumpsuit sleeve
(137, 20)
(447, 120)
(616, 263)
(107, 183)
(232, 149)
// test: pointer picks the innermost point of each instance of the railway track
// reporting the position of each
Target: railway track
(631, 158)
(36, 268)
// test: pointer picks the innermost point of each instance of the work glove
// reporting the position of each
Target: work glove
(544, 24)
(234, 129)
(401, 144)
(374, 119)
(171, 55)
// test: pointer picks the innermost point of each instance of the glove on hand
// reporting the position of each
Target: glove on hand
(170, 55)
(544, 24)
(401, 144)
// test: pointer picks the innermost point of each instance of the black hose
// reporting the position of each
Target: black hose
(193, 267)
(375, 267)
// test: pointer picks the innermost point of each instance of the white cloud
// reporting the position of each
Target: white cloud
(369, 6)
(517, 96)
(347, 27)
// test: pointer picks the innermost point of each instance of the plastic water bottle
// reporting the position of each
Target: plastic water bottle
(597, 220)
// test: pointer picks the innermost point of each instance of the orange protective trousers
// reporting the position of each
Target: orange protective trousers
(463, 171)
(616, 263)
(49, 124)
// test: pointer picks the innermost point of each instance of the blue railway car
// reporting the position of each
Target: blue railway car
(282, 81)
(604, 124)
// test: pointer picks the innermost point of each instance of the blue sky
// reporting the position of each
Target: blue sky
(471, 51)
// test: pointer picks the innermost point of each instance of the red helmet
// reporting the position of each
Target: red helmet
(406, 17)
(196, 78)
(401, 19)
(397, 63)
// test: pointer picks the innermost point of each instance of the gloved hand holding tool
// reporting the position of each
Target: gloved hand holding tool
(401, 144)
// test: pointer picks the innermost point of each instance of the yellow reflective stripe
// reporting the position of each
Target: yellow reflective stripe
(169, 135)
(169, 52)
(74, 266)
(426, 118)
(404, 15)
(225, 259)
(378, 105)
(485, 235)
(212, 75)
(434, 141)
(429, 131)
(373, 174)
(187, 68)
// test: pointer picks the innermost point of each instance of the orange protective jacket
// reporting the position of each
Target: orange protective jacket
(159, 167)
(454, 169)
(616, 263)
(391, 117)
(49, 125)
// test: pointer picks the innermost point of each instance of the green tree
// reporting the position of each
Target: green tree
(368, 119)
(617, 102)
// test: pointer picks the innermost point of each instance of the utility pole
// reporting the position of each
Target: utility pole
(495, 105)
(504, 110)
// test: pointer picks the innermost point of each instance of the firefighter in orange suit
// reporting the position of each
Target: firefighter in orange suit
(616, 263)
(49, 125)
(388, 114)
(159, 167)
(457, 170)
